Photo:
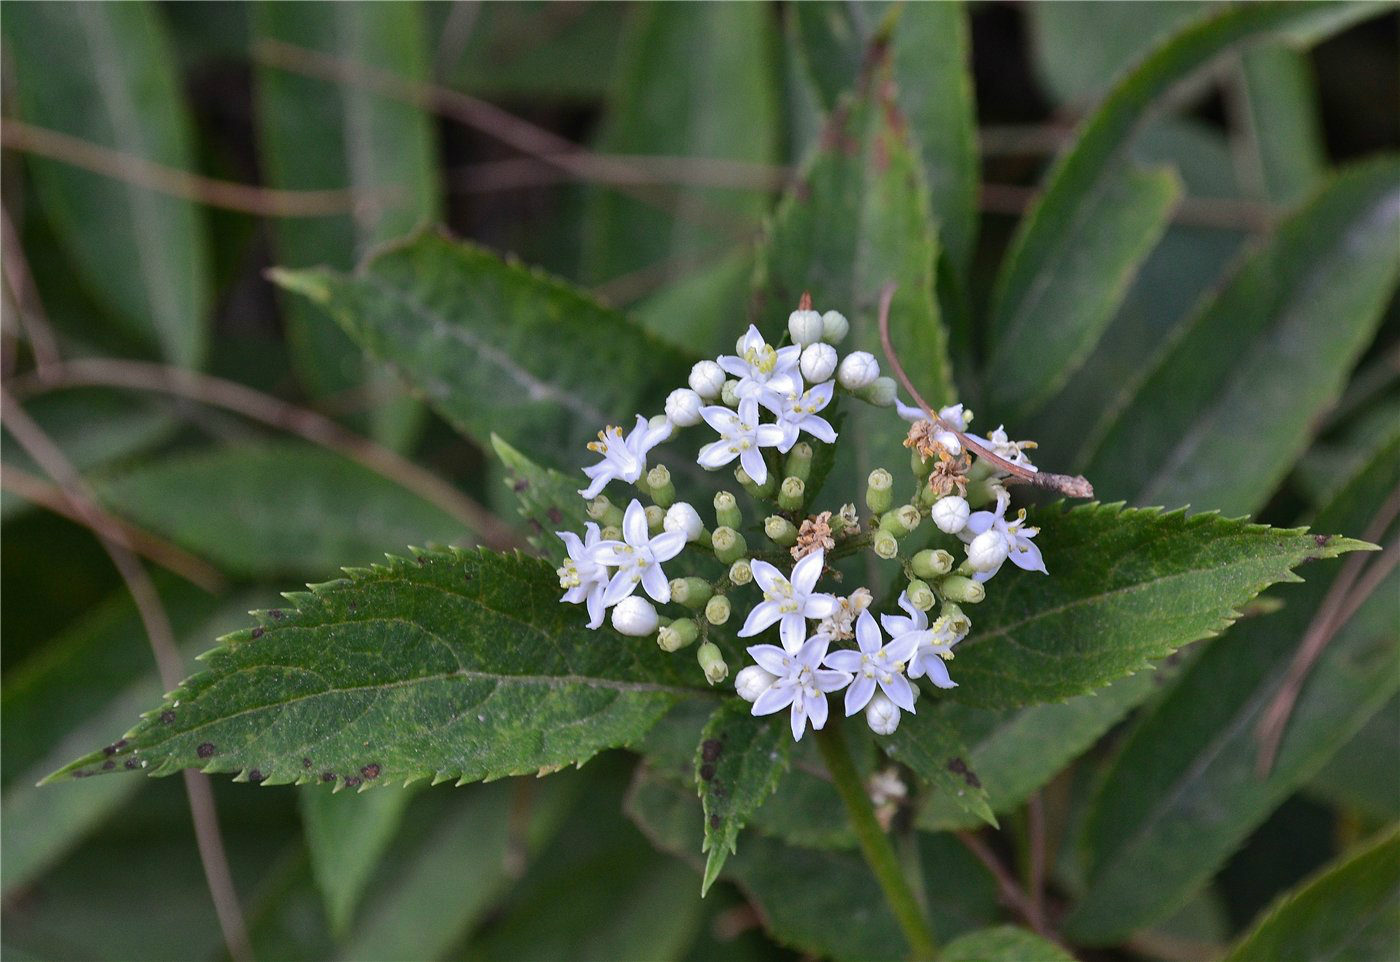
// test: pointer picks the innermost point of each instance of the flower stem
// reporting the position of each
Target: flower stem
(874, 843)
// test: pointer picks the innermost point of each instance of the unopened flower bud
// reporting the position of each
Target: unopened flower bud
(659, 422)
(799, 461)
(740, 573)
(878, 497)
(908, 517)
(656, 518)
(987, 551)
(754, 488)
(707, 379)
(984, 492)
(931, 563)
(921, 596)
(727, 511)
(780, 531)
(712, 663)
(662, 491)
(950, 514)
(920, 465)
(882, 714)
(752, 682)
(729, 394)
(610, 532)
(792, 494)
(677, 634)
(857, 370)
(817, 363)
(962, 590)
(691, 592)
(683, 407)
(603, 511)
(717, 610)
(634, 616)
(885, 545)
(879, 393)
(835, 327)
(682, 517)
(805, 327)
(729, 545)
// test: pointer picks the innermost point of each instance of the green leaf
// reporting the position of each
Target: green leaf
(1350, 912)
(106, 74)
(448, 664)
(1283, 123)
(316, 133)
(1229, 406)
(548, 500)
(933, 748)
(830, 36)
(345, 836)
(738, 764)
(1184, 791)
(1352, 780)
(1125, 586)
(1004, 943)
(1329, 466)
(1076, 252)
(570, 56)
(284, 507)
(466, 329)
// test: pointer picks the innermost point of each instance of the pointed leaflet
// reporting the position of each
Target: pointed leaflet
(105, 74)
(495, 347)
(934, 750)
(1125, 586)
(316, 133)
(549, 501)
(1350, 911)
(1004, 943)
(738, 764)
(1230, 404)
(1184, 793)
(1052, 302)
(448, 664)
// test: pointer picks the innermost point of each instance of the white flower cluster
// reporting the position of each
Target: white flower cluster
(760, 402)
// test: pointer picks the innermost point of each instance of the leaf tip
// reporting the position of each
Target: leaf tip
(311, 284)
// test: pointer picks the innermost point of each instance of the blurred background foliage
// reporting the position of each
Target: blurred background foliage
(159, 157)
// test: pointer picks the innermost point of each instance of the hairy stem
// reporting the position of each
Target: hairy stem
(874, 843)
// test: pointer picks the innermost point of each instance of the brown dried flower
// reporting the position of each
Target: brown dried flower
(814, 535)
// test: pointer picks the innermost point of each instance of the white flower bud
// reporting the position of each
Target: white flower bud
(818, 363)
(857, 369)
(729, 394)
(634, 616)
(683, 407)
(682, 517)
(706, 379)
(987, 551)
(835, 327)
(805, 327)
(950, 514)
(752, 682)
(882, 714)
(659, 421)
(880, 392)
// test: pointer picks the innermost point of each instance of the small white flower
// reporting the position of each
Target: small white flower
(953, 414)
(707, 379)
(841, 623)
(801, 682)
(763, 372)
(1013, 451)
(880, 393)
(798, 412)
(1015, 538)
(882, 714)
(752, 682)
(624, 459)
(935, 644)
(835, 327)
(789, 603)
(950, 513)
(740, 436)
(805, 327)
(876, 664)
(857, 369)
(685, 519)
(683, 407)
(582, 575)
(638, 558)
(818, 362)
(635, 617)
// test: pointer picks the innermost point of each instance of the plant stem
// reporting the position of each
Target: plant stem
(874, 844)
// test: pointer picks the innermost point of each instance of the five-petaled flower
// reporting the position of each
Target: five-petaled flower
(935, 643)
(624, 459)
(582, 574)
(801, 682)
(992, 527)
(638, 558)
(789, 602)
(740, 436)
(798, 412)
(876, 664)
(764, 373)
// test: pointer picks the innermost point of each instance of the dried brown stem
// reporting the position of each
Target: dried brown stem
(1216, 213)
(1075, 486)
(1035, 826)
(316, 428)
(1011, 894)
(26, 296)
(634, 170)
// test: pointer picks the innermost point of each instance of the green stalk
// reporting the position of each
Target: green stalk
(874, 843)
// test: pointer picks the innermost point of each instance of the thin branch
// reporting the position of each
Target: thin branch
(1075, 486)
(1216, 213)
(169, 556)
(32, 438)
(631, 170)
(26, 296)
(1342, 600)
(316, 428)
(1011, 893)
(130, 169)
(1035, 829)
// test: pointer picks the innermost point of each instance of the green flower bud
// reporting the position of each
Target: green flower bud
(921, 596)
(780, 531)
(712, 663)
(656, 519)
(964, 590)
(878, 497)
(727, 511)
(717, 610)
(740, 573)
(729, 545)
(663, 492)
(886, 545)
(611, 532)
(728, 395)
(678, 634)
(921, 466)
(901, 520)
(799, 461)
(982, 493)
(603, 511)
(835, 327)
(931, 563)
(763, 490)
(691, 592)
(792, 494)
(880, 392)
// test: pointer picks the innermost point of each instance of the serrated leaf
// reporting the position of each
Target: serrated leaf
(549, 500)
(1004, 943)
(455, 665)
(1125, 586)
(738, 764)
(1184, 792)
(932, 747)
(466, 329)
(106, 74)
(345, 836)
(1230, 404)
(1350, 912)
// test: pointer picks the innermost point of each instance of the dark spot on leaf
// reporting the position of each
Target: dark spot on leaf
(466, 576)
(710, 749)
(108, 765)
(714, 821)
(81, 774)
(555, 516)
(519, 485)
(257, 632)
(1322, 539)
(957, 766)
(328, 776)
(370, 771)
(536, 527)
(205, 749)
(167, 717)
(110, 750)
(353, 606)
(971, 778)
(351, 782)
(421, 560)
(132, 763)
(306, 763)
(707, 772)
(276, 614)
(255, 776)
(119, 743)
